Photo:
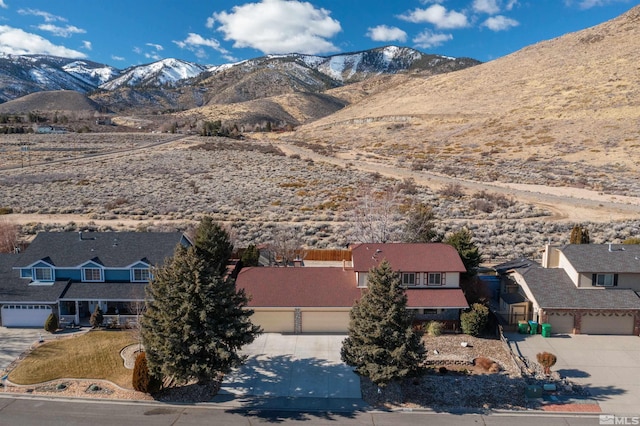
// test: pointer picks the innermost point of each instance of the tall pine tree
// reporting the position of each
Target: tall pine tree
(469, 252)
(195, 322)
(382, 344)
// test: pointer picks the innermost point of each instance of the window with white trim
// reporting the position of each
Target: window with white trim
(92, 274)
(42, 274)
(408, 278)
(141, 275)
(435, 278)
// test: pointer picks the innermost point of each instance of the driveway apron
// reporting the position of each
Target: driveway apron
(294, 366)
(608, 366)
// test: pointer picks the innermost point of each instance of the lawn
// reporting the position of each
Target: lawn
(93, 355)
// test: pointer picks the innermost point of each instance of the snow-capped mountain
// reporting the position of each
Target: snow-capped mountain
(24, 74)
(250, 79)
(166, 72)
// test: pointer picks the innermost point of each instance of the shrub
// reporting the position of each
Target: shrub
(474, 321)
(96, 317)
(546, 360)
(434, 328)
(6, 210)
(51, 324)
(142, 380)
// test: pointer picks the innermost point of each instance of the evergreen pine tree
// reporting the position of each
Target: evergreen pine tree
(467, 249)
(420, 227)
(251, 256)
(195, 321)
(382, 344)
(213, 245)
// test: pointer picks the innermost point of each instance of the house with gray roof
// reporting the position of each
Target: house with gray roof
(578, 289)
(71, 273)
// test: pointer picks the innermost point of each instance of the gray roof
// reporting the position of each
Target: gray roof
(511, 298)
(110, 249)
(15, 289)
(105, 291)
(622, 258)
(552, 288)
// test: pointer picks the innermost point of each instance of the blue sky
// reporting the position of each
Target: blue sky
(124, 33)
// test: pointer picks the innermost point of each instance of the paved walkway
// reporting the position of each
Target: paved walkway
(608, 366)
(294, 370)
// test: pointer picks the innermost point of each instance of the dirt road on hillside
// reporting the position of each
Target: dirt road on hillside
(565, 203)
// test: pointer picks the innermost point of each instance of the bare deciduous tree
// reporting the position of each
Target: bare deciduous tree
(8, 236)
(375, 216)
(286, 246)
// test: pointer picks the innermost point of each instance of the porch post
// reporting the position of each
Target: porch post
(77, 315)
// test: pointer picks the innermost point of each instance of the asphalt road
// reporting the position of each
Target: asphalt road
(28, 411)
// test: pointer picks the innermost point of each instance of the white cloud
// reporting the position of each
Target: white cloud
(2, 4)
(385, 33)
(87, 45)
(490, 7)
(438, 16)
(48, 17)
(428, 39)
(117, 58)
(67, 31)
(588, 4)
(195, 43)
(511, 4)
(279, 26)
(500, 23)
(18, 42)
(158, 47)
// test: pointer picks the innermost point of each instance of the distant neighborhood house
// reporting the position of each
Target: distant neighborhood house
(578, 289)
(71, 273)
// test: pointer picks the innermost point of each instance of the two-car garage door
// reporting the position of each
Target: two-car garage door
(25, 315)
(620, 323)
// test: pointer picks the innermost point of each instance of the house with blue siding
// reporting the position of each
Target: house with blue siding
(71, 273)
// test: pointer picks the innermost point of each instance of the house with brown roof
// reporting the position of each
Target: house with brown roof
(318, 299)
(578, 289)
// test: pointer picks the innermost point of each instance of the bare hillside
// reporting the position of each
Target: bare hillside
(57, 100)
(564, 112)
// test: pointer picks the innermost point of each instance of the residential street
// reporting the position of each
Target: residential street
(26, 411)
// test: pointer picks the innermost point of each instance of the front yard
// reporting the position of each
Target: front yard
(92, 355)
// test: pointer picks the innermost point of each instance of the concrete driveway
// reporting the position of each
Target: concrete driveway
(608, 366)
(292, 367)
(15, 341)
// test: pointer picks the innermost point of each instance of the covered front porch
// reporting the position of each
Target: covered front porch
(121, 303)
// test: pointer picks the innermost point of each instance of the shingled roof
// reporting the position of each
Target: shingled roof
(552, 288)
(604, 258)
(299, 287)
(109, 249)
(406, 257)
(15, 289)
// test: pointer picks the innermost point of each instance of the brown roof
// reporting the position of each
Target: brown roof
(299, 287)
(327, 287)
(404, 257)
(436, 298)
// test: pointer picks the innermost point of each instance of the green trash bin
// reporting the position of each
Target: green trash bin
(533, 327)
(523, 327)
(546, 330)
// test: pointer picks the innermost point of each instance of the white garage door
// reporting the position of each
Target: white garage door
(274, 321)
(561, 323)
(25, 315)
(607, 324)
(325, 322)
